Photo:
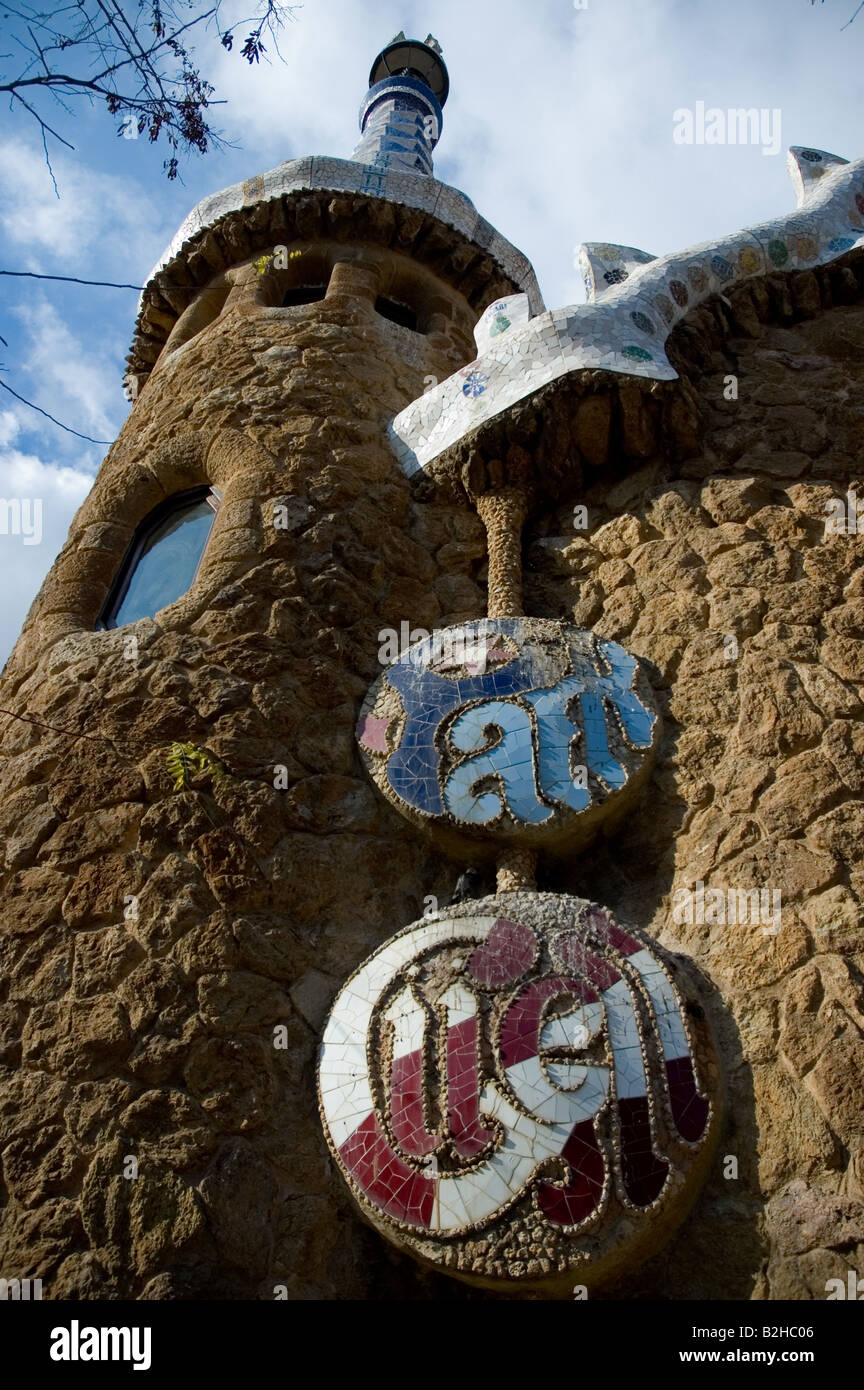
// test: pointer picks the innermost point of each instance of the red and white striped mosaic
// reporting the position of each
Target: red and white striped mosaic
(519, 1064)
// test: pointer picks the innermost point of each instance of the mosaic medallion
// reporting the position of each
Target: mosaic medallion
(636, 354)
(516, 1090)
(678, 291)
(665, 306)
(749, 260)
(511, 312)
(510, 730)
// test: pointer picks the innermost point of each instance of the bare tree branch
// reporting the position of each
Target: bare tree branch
(137, 58)
(849, 21)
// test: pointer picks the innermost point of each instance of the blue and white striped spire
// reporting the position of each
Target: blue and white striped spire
(401, 116)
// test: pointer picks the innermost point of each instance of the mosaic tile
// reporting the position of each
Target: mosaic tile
(635, 300)
(807, 167)
(525, 1063)
(392, 183)
(485, 743)
(604, 266)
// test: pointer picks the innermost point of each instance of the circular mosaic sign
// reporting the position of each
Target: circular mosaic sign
(511, 1089)
(513, 730)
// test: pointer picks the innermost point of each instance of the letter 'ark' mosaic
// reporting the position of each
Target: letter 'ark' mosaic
(514, 730)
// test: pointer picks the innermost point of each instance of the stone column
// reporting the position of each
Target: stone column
(502, 512)
(516, 871)
(355, 277)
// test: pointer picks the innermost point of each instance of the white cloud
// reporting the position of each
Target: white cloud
(60, 490)
(9, 426)
(308, 103)
(559, 127)
(559, 121)
(108, 215)
(71, 374)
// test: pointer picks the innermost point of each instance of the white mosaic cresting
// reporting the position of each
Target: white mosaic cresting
(500, 318)
(625, 325)
(449, 205)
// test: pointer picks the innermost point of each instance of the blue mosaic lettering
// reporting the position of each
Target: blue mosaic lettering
(511, 760)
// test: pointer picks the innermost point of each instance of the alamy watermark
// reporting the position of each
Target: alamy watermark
(738, 125)
(77, 1343)
(454, 647)
(853, 1288)
(719, 907)
(22, 516)
(21, 1290)
(843, 518)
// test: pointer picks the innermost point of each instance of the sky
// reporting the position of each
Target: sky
(560, 126)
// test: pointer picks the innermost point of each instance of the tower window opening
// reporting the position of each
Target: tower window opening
(303, 294)
(164, 558)
(397, 312)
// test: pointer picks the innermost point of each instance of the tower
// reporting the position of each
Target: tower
(225, 799)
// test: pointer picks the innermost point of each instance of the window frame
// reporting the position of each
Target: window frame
(178, 501)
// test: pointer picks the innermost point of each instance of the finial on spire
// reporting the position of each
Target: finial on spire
(401, 116)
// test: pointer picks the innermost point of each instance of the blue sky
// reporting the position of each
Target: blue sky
(559, 126)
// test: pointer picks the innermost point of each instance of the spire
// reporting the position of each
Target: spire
(400, 119)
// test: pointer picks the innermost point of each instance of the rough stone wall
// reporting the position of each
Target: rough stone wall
(760, 779)
(150, 1033)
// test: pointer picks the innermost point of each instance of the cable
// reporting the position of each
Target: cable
(67, 428)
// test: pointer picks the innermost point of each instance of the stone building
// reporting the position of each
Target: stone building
(354, 417)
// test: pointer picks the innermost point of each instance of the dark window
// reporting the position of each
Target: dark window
(303, 294)
(397, 313)
(163, 559)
